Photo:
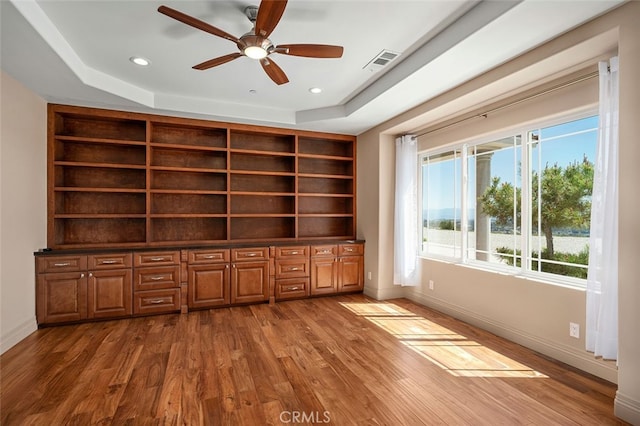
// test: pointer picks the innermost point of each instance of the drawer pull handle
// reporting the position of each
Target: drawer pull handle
(294, 288)
(62, 264)
(348, 249)
(157, 259)
(251, 254)
(156, 301)
(294, 269)
(108, 262)
(294, 252)
(157, 278)
(209, 256)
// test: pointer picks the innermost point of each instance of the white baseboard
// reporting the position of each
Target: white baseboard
(582, 360)
(12, 337)
(626, 409)
(394, 292)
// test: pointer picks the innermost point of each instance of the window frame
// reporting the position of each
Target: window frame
(523, 130)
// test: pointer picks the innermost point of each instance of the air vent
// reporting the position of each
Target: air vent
(381, 60)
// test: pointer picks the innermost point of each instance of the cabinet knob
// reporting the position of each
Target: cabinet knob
(81, 275)
(90, 274)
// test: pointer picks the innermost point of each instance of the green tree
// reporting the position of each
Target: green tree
(566, 199)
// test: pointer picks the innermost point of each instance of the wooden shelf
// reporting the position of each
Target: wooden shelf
(141, 180)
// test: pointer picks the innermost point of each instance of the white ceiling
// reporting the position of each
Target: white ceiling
(78, 52)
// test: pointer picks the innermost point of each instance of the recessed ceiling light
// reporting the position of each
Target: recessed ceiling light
(315, 90)
(139, 60)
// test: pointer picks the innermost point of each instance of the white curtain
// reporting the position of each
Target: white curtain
(405, 271)
(602, 278)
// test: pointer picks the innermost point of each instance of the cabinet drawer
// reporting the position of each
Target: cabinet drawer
(292, 288)
(197, 257)
(157, 258)
(61, 263)
(291, 252)
(156, 278)
(156, 301)
(350, 249)
(291, 268)
(110, 261)
(324, 251)
(240, 254)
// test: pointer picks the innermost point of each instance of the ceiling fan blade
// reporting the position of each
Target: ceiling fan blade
(274, 71)
(310, 50)
(217, 61)
(196, 23)
(269, 14)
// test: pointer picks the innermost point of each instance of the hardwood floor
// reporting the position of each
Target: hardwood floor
(339, 360)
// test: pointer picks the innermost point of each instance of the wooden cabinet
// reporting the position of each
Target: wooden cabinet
(337, 268)
(100, 287)
(109, 294)
(157, 282)
(249, 275)
(120, 179)
(351, 267)
(95, 285)
(109, 289)
(208, 282)
(292, 272)
(324, 269)
(61, 297)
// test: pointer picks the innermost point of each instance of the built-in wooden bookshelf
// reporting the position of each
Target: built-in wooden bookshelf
(118, 179)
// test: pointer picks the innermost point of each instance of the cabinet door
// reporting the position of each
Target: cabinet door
(350, 273)
(61, 297)
(249, 282)
(110, 293)
(324, 275)
(208, 285)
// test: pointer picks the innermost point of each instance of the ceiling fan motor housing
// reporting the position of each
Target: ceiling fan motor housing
(250, 39)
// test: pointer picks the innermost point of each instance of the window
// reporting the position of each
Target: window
(441, 186)
(519, 203)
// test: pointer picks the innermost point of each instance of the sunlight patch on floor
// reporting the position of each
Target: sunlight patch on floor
(451, 351)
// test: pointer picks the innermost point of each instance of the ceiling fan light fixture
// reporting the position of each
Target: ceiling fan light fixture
(255, 52)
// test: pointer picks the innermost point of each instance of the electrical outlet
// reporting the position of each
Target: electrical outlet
(574, 330)
(369, 275)
(431, 284)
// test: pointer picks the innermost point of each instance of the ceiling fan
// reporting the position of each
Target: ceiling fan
(255, 44)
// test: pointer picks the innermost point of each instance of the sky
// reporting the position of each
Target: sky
(561, 144)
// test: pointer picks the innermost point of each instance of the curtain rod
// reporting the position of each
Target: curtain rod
(533, 96)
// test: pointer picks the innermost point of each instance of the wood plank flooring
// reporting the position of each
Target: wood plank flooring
(346, 360)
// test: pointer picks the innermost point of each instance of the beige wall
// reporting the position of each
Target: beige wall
(23, 211)
(529, 312)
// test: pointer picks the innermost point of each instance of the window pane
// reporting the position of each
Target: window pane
(441, 189)
(493, 201)
(562, 158)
